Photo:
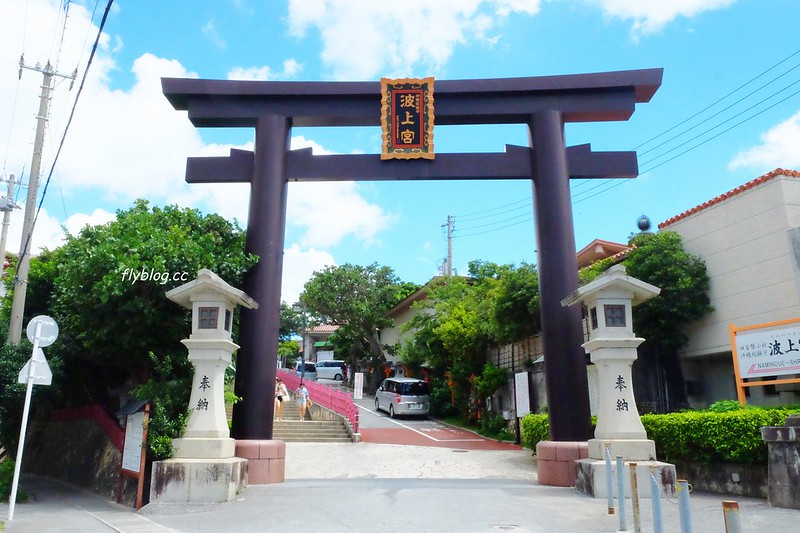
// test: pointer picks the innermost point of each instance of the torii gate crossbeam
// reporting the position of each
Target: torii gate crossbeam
(544, 104)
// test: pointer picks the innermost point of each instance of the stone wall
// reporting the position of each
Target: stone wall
(79, 453)
(735, 480)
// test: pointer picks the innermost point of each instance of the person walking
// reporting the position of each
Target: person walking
(281, 395)
(302, 400)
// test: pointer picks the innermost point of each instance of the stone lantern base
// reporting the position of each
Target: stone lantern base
(198, 480)
(592, 477)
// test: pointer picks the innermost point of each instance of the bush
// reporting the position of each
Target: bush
(492, 425)
(721, 435)
(534, 428)
(6, 480)
(713, 437)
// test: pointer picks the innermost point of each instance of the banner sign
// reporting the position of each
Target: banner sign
(773, 352)
(765, 351)
(407, 118)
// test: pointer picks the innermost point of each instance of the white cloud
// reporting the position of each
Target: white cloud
(298, 267)
(77, 222)
(650, 16)
(778, 148)
(393, 46)
(210, 31)
(130, 143)
(290, 69)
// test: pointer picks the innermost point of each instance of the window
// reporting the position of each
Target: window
(228, 319)
(208, 318)
(593, 315)
(615, 316)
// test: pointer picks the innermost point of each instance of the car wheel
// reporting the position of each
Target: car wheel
(391, 411)
(337, 377)
(377, 405)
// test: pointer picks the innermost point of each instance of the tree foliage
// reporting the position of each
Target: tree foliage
(357, 299)
(107, 290)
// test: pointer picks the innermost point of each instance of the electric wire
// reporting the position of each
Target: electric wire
(66, 129)
(609, 184)
(684, 121)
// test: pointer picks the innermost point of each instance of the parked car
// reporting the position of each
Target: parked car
(310, 373)
(330, 369)
(403, 396)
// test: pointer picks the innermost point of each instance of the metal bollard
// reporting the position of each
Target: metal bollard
(655, 498)
(730, 509)
(609, 481)
(621, 492)
(683, 506)
(637, 522)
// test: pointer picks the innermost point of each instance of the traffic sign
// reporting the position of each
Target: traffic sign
(36, 365)
(48, 332)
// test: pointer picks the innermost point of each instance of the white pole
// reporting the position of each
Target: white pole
(21, 446)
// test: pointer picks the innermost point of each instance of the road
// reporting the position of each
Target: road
(377, 427)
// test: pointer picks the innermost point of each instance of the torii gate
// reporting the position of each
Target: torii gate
(545, 104)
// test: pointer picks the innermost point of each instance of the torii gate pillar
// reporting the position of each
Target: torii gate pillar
(565, 375)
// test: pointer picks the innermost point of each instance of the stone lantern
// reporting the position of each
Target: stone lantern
(204, 467)
(609, 301)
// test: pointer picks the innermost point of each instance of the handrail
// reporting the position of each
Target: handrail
(335, 400)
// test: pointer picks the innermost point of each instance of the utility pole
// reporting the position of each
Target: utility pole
(450, 222)
(6, 206)
(21, 279)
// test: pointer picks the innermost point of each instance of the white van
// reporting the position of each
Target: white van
(330, 369)
(403, 396)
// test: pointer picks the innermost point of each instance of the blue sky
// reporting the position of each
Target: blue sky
(126, 142)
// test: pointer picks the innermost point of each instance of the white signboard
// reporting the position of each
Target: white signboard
(132, 450)
(523, 394)
(768, 352)
(326, 355)
(358, 386)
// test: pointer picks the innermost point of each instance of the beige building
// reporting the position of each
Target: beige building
(749, 239)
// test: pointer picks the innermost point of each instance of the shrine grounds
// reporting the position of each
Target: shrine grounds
(380, 487)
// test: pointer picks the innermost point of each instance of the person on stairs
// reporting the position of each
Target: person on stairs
(302, 400)
(281, 395)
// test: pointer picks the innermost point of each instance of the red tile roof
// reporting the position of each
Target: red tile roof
(734, 192)
(323, 328)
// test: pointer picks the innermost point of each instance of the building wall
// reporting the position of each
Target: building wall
(750, 243)
(746, 243)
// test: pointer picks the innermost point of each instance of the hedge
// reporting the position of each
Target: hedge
(700, 436)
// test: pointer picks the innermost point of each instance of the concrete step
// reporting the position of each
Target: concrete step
(310, 430)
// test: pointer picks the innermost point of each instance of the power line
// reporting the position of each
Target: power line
(719, 100)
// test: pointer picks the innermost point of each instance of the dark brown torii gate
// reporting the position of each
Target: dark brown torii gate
(545, 104)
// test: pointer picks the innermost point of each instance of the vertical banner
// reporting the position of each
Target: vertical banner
(407, 118)
(358, 386)
(523, 394)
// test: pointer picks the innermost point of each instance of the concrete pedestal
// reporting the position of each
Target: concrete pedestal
(198, 480)
(592, 477)
(204, 448)
(629, 449)
(556, 462)
(267, 460)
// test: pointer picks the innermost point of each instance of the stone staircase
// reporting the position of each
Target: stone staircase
(320, 425)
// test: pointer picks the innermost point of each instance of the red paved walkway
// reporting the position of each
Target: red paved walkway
(442, 438)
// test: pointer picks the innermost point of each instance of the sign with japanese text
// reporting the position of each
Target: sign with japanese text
(765, 351)
(769, 351)
(407, 118)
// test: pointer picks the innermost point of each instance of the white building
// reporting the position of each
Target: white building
(749, 239)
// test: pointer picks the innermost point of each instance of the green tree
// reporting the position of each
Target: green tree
(356, 298)
(661, 260)
(118, 330)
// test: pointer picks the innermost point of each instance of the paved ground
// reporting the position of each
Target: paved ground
(377, 487)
